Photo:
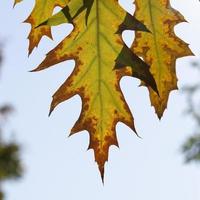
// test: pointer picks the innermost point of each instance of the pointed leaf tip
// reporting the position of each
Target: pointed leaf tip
(101, 170)
(16, 2)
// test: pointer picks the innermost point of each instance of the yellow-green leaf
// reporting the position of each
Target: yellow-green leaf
(161, 48)
(95, 47)
(41, 12)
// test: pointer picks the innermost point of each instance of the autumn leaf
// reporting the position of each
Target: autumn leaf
(97, 50)
(102, 59)
(41, 12)
(161, 48)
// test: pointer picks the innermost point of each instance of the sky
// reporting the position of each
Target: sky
(59, 167)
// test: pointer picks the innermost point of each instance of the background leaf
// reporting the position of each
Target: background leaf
(161, 48)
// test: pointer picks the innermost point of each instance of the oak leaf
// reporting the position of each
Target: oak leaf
(97, 50)
(161, 48)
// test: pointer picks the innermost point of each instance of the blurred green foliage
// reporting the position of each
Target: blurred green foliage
(191, 147)
(10, 165)
(9, 161)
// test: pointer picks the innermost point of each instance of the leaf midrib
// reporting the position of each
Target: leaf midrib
(154, 35)
(99, 67)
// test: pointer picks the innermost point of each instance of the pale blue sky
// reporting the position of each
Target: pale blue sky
(58, 167)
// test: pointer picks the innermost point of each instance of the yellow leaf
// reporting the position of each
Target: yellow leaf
(41, 12)
(160, 48)
(94, 48)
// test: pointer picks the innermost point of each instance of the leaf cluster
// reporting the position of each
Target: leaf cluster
(102, 59)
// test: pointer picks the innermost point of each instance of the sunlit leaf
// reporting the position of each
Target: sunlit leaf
(102, 59)
(161, 48)
(95, 47)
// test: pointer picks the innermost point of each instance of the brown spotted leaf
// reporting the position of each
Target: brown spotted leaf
(95, 48)
(160, 48)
